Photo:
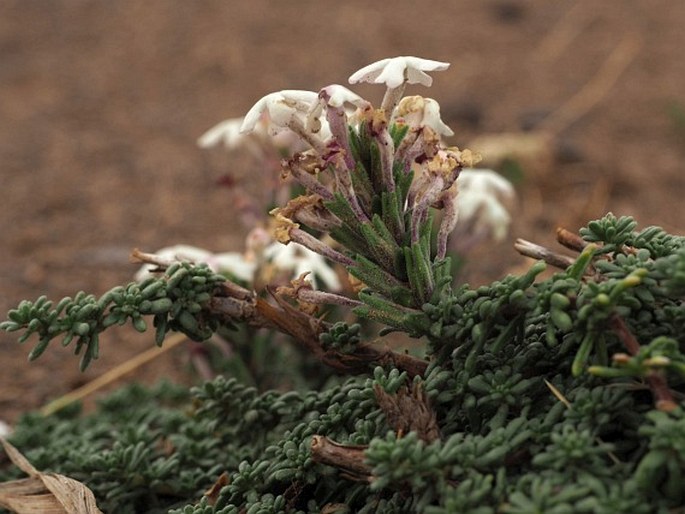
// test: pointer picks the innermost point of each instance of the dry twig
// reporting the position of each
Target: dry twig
(347, 458)
(541, 253)
(112, 375)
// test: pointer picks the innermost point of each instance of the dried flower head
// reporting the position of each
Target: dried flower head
(283, 226)
(418, 112)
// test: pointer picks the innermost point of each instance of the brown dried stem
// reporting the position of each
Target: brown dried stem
(570, 240)
(162, 263)
(663, 396)
(347, 458)
(233, 303)
(540, 252)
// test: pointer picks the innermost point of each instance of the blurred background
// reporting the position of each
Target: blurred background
(580, 103)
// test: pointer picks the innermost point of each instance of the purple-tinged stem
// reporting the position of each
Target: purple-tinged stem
(337, 121)
(306, 179)
(449, 221)
(297, 126)
(428, 196)
(344, 179)
(325, 298)
(307, 240)
(408, 150)
(386, 147)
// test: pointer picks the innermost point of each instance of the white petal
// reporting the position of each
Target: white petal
(417, 63)
(235, 264)
(280, 113)
(415, 76)
(300, 96)
(431, 117)
(339, 95)
(282, 256)
(484, 211)
(226, 132)
(486, 180)
(184, 253)
(252, 117)
(328, 276)
(369, 72)
(393, 72)
(280, 106)
(174, 253)
(418, 111)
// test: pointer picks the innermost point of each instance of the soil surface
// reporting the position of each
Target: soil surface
(101, 104)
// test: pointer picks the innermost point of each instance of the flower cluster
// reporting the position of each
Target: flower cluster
(372, 177)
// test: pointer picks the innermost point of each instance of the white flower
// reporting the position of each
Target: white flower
(282, 107)
(226, 132)
(485, 213)
(5, 429)
(419, 111)
(257, 142)
(393, 72)
(230, 262)
(486, 180)
(335, 96)
(481, 201)
(233, 263)
(297, 259)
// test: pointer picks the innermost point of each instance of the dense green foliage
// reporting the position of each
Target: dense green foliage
(507, 444)
(175, 303)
